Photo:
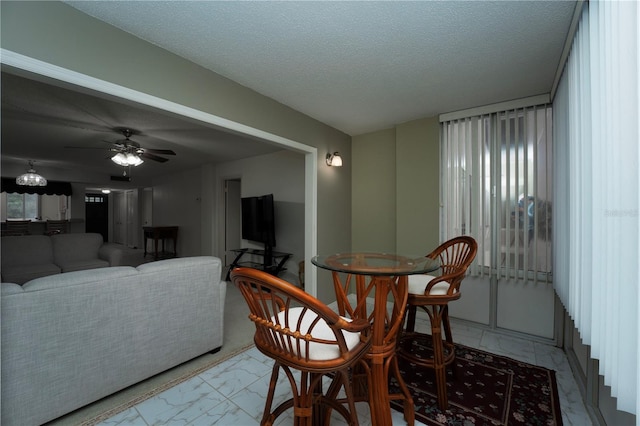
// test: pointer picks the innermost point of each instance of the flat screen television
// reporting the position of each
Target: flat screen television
(258, 222)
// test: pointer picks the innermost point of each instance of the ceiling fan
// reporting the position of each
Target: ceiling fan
(130, 153)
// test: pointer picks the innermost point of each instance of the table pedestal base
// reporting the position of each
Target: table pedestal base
(373, 385)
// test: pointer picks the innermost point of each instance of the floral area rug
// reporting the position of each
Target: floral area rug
(483, 389)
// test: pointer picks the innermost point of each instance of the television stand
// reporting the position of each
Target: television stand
(272, 261)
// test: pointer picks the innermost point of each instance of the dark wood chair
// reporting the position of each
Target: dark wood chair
(57, 227)
(432, 294)
(17, 227)
(301, 333)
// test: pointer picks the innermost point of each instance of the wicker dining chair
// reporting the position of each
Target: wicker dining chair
(301, 333)
(432, 294)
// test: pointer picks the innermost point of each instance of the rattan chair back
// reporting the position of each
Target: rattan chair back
(455, 256)
(300, 332)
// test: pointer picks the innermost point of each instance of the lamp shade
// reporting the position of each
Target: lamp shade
(334, 160)
(127, 159)
(31, 178)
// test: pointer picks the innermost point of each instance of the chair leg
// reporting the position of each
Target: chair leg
(303, 406)
(438, 357)
(411, 318)
(348, 391)
(447, 332)
(267, 416)
(409, 408)
(446, 324)
(341, 380)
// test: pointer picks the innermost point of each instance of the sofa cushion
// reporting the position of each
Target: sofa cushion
(73, 252)
(20, 274)
(27, 257)
(86, 277)
(84, 264)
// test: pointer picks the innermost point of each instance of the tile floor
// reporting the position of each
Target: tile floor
(232, 393)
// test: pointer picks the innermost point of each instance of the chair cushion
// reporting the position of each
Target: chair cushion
(318, 351)
(418, 284)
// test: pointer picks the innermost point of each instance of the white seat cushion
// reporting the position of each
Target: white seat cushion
(318, 351)
(418, 284)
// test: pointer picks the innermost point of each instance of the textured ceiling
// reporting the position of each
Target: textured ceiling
(361, 66)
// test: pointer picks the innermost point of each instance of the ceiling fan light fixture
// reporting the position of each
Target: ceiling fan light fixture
(126, 160)
(133, 159)
(120, 159)
(31, 178)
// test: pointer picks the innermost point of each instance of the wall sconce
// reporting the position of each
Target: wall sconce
(334, 160)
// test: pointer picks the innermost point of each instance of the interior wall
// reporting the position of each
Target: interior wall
(177, 201)
(396, 178)
(280, 174)
(208, 211)
(374, 192)
(418, 186)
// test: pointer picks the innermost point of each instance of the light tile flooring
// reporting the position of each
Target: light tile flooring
(232, 393)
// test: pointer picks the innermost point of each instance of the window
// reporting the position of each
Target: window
(91, 198)
(597, 201)
(34, 206)
(22, 206)
(497, 188)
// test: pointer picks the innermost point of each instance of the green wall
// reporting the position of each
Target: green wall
(373, 198)
(396, 178)
(418, 186)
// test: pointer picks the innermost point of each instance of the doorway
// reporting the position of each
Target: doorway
(97, 214)
(125, 218)
(86, 82)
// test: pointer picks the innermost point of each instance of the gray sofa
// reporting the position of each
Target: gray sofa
(27, 257)
(70, 339)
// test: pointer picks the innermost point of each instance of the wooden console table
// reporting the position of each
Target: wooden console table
(272, 261)
(163, 233)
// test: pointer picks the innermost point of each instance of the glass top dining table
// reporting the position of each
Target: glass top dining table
(385, 277)
(379, 264)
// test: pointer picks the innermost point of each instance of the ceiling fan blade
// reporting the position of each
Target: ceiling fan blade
(159, 151)
(153, 157)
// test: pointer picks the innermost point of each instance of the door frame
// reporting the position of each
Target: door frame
(35, 66)
(233, 225)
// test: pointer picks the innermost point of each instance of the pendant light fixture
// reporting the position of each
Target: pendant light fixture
(31, 178)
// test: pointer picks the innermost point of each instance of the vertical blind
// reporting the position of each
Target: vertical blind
(497, 187)
(597, 134)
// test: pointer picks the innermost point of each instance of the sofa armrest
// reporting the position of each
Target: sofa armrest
(112, 253)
